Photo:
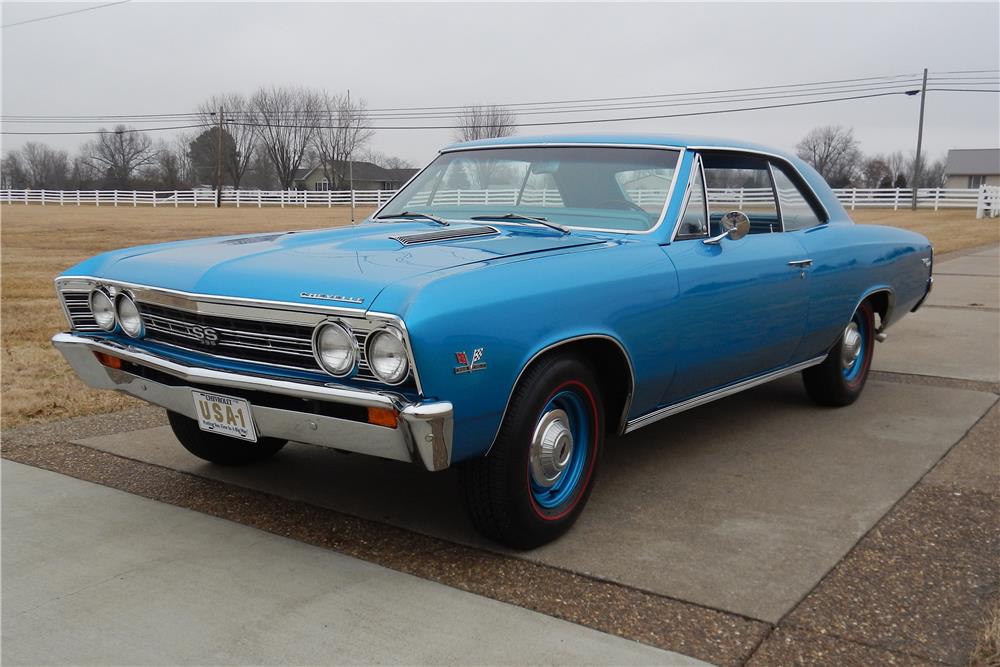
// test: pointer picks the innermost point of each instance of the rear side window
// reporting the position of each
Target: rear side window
(796, 213)
(741, 183)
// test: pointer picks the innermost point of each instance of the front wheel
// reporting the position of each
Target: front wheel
(220, 449)
(536, 480)
(838, 381)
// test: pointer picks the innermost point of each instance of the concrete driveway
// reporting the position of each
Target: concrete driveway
(741, 505)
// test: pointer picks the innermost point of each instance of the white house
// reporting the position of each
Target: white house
(972, 167)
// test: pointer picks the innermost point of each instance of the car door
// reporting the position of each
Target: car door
(743, 304)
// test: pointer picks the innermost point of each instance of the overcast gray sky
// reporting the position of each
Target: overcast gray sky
(146, 57)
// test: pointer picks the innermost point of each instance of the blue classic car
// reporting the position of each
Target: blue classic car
(516, 303)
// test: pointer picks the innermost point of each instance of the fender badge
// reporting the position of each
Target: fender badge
(331, 297)
(467, 366)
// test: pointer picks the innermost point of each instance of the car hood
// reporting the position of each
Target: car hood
(354, 263)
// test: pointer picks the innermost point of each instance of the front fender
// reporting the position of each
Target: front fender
(513, 310)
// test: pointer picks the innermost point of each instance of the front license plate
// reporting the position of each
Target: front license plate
(224, 415)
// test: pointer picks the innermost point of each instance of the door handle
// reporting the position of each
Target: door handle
(801, 263)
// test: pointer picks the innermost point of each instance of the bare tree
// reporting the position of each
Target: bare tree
(120, 153)
(344, 132)
(484, 122)
(238, 121)
(38, 166)
(12, 171)
(385, 161)
(286, 121)
(833, 151)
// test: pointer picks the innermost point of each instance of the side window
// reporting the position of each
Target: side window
(741, 183)
(694, 222)
(796, 213)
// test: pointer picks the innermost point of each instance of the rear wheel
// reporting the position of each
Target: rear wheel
(536, 480)
(840, 378)
(221, 449)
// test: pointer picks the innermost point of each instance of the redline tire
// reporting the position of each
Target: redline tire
(534, 484)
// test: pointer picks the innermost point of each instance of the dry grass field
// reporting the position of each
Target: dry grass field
(40, 242)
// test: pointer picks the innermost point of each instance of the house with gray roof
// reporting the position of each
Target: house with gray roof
(972, 167)
(366, 176)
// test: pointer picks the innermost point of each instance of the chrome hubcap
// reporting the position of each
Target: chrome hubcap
(551, 448)
(851, 347)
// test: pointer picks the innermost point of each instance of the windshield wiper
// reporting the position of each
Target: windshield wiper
(517, 216)
(414, 214)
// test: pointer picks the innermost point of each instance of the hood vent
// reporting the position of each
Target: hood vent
(446, 235)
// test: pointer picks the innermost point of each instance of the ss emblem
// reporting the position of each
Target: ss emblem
(205, 335)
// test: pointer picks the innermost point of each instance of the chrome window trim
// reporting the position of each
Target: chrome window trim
(687, 200)
(681, 151)
(246, 308)
(771, 156)
(708, 397)
(566, 341)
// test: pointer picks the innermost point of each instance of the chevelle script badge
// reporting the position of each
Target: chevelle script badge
(331, 297)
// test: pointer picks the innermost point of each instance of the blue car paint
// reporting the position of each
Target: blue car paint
(690, 317)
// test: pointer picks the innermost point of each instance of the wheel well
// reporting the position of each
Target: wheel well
(882, 303)
(614, 373)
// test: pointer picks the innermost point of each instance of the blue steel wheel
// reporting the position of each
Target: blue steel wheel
(537, 477)
(840, 378)
(559, 456)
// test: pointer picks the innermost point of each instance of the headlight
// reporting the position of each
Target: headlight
(103, 309)
(128, 316)
(387, 355)
(335, 348)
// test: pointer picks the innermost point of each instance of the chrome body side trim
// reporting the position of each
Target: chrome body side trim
(548, 348)
(681, 150)
(424, 434)
(657, 415)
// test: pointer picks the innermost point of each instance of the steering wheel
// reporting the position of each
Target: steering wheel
(623, 204)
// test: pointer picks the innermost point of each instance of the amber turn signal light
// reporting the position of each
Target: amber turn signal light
(108, 360)
(382, 417)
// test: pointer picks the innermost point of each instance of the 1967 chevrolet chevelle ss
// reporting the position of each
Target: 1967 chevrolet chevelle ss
(518, 301)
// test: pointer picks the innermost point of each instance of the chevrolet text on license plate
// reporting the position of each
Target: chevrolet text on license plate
(224, 415)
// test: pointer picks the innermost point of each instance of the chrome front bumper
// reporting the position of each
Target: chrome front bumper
(423, 434)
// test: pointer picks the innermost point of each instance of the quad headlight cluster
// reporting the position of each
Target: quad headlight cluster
(116, 310)
(338, 352)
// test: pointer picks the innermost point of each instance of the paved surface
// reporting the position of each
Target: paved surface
(99, 576)
(743, 513)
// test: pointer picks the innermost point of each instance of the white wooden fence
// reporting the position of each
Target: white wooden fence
(986, 200)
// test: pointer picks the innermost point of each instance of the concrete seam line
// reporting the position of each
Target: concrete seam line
(684, 616)
(782, 623)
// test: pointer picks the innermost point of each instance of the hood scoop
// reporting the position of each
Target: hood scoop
(446, 235)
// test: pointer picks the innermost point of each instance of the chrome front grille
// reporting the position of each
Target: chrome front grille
(248, 340)
(78, 309)
(268, 333)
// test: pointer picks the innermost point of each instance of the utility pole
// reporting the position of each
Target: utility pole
(218, 161)
(920, 140)
(350, 156)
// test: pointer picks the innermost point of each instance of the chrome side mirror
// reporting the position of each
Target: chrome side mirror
(735, 225)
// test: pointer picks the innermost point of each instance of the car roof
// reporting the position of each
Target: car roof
(624, 138)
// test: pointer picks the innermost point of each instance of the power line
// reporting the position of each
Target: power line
(129, 130)
(55, 16)
(608, 103)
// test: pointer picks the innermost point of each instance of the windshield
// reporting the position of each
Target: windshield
(621, 189)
